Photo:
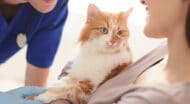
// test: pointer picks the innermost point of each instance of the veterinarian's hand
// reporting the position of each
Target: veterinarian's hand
(18, 96)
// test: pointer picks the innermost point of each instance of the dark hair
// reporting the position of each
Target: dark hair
(188, 27)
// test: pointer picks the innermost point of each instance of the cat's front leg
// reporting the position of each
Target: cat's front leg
(51, 94)
(76, 92)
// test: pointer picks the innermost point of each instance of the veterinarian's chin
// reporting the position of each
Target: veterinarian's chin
(44, 6)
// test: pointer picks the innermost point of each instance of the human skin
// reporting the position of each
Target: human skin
(42, 6)
(167, 19)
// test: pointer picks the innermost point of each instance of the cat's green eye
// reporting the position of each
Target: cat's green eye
(104, 30)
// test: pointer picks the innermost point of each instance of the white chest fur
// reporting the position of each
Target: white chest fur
(95, 67)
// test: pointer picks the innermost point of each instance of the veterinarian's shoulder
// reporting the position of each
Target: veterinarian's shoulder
(61, 7)
(55, 18)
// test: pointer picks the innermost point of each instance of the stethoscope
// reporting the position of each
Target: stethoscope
(21, 38)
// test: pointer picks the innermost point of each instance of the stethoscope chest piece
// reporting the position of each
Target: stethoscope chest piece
(21, 40)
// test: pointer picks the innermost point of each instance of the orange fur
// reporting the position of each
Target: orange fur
(115, 72)
(74, 91)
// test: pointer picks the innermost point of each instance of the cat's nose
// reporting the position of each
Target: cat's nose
(109, 43)
(112, 44)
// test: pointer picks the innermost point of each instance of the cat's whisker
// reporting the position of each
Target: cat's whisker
(107, 47)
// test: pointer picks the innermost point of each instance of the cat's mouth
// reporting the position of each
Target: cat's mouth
(109, 51)
(113, 48)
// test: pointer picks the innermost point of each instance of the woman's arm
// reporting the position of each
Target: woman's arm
(36, 76)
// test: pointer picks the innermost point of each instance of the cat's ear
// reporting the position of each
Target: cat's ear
(128, 12)
(92, 12)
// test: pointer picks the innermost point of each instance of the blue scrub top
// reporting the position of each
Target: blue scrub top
(43, 33)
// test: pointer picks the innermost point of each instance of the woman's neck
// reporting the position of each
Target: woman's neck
(178, 65)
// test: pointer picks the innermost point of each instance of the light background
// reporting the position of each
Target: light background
(12, 72)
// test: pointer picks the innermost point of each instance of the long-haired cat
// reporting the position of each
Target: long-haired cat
(104, 52)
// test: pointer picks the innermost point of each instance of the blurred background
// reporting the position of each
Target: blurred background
(12, 72)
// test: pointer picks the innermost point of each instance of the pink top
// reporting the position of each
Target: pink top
(122, 90)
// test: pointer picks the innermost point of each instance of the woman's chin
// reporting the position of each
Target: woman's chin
(152, 34)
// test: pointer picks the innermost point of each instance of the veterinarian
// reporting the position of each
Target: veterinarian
(37, 24)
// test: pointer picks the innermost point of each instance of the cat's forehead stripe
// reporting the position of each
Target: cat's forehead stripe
(112, 22)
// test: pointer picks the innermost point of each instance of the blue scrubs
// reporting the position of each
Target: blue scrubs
(43, 33)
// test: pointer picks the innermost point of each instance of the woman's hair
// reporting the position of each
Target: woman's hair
(188, 27)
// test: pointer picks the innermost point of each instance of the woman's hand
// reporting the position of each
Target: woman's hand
(18, 96)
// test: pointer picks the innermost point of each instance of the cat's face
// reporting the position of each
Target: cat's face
(106, 32)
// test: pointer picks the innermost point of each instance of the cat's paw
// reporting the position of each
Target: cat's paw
(46, 97)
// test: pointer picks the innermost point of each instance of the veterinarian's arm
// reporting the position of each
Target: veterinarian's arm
(42, 48)
(36, 76)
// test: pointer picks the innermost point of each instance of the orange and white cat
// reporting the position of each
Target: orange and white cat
(103, 53)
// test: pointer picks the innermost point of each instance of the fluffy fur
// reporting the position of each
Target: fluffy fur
(103, 53)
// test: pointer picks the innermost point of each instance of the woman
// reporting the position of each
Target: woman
(37, 23)
(169, 84)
